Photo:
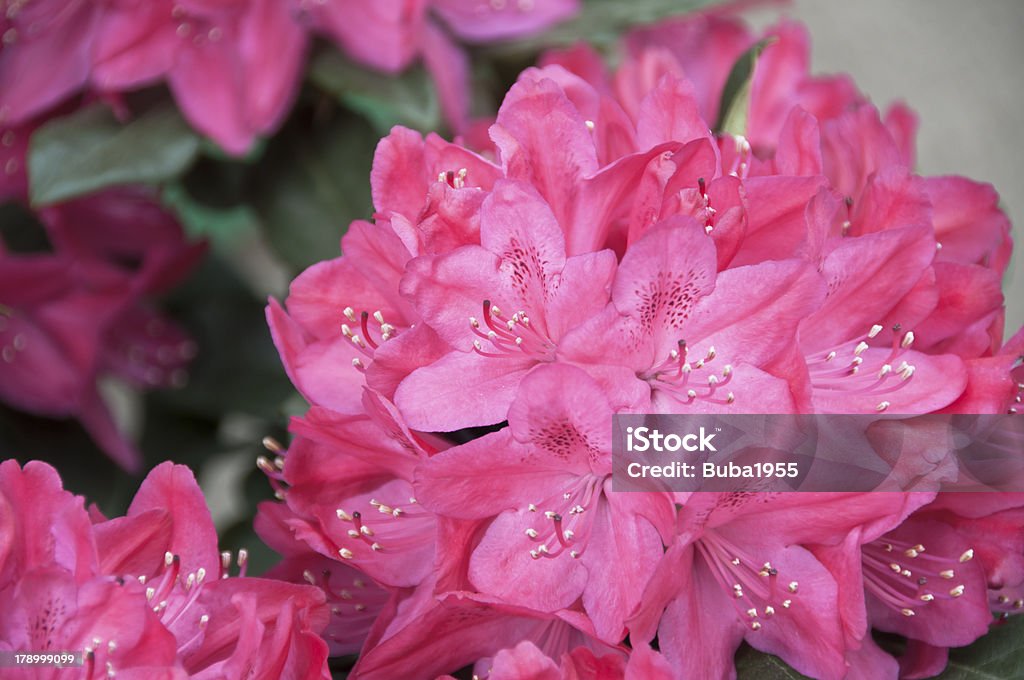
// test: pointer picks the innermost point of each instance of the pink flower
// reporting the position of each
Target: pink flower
(216, 57)
(44, 55)
(698, 340)
(69, 317)
(350, 496)
(740, 569)
(558, 533)
(435, 635)
(355, 600)
(520, 267)
(132, 593)
(606, 252)
(389, 35)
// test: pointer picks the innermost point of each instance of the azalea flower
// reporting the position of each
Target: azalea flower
(389, 35)
(147, 594)
(45, 50)
(558, 532)
(439, 634)
(741, 568)
(347, 481)
(214, 57)
(70, 317)
(606, 251)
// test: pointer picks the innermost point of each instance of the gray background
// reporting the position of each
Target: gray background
(960, 65)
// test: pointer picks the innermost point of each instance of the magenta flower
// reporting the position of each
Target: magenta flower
(618, 256)
(214, 57)
(741, 569)
(145, 595)
(350, 496)
(389, 35)
(69, 317)
(45, 50)
(558, 533)
(437, 634)
(697, 340)
(355, 600)
(520, 267)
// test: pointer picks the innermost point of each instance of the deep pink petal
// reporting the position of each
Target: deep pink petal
(173, 488)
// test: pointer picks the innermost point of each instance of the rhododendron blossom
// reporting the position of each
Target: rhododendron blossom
(235, 67)
(145, 595)
(389, 35)
(607, 252)
(84, 311)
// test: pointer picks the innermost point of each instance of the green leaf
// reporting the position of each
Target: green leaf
(314, 183)
(222, 225)
(999, 655)
(754, 665)
(90, 150)
(600, 22)
(408, 99)
(735, 103)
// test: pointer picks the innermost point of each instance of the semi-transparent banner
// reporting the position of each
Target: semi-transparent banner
(937, 452)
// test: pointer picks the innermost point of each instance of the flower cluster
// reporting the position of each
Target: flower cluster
(83, 310)
(146, 595)
(234, 66)
(605, 253)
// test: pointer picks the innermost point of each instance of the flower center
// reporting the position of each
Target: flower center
(856, 367)
(565, 526)
(354, 602)
(687, 382)
(501, 338)
(905, 576)
(373, 526)
(367, 335)
(753, 586)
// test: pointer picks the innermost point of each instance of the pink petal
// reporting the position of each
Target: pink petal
(173, 488)
(449, 67)
(383, 35)
(399, 178)
(487, 476)
(485, 22)
(461, 389)
(544, 141)
(669, 112)
(271, 76)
